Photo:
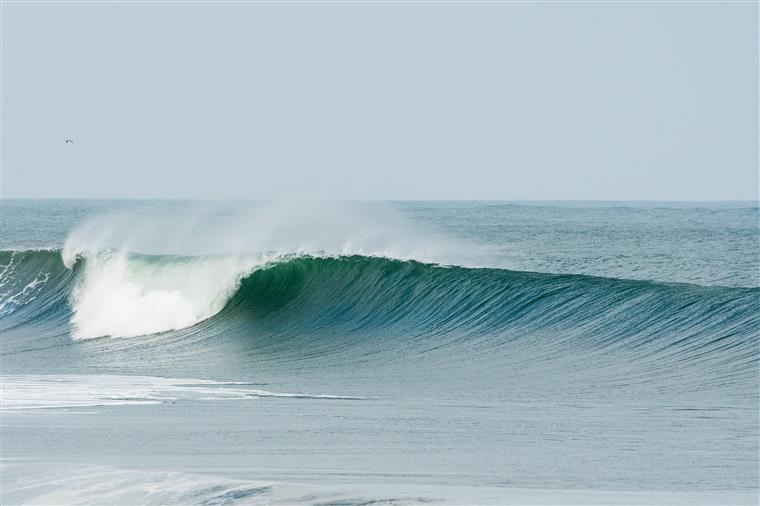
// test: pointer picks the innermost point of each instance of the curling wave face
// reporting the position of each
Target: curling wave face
(116, 294)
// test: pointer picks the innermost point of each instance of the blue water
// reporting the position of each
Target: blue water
(479, 352)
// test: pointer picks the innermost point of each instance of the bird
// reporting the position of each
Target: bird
(69, 141)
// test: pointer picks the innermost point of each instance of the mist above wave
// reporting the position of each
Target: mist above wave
(274, 228)
(120, 294)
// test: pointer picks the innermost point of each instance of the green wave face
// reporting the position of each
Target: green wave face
(339, 302)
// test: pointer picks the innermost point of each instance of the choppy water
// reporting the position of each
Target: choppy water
(489, 352)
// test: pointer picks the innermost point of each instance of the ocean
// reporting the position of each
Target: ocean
(225, 352)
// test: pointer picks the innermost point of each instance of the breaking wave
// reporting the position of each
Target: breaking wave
(115, 294)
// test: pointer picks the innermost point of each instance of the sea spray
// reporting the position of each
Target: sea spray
(272, 228)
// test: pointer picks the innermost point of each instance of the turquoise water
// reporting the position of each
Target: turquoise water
(345, 352)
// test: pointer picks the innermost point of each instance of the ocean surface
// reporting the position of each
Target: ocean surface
(220, 352)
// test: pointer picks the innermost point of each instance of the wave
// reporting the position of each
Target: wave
(123, 295)
(230, 315)
(34, 482)
(26, 392)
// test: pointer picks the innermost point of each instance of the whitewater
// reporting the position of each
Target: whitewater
(464, 352)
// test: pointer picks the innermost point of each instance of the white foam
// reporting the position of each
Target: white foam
(120, 296)
(68, 483)
(25, 392)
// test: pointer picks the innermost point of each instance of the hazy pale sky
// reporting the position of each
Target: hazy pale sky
(375, 101)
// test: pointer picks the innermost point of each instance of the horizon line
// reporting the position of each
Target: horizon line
(326, 199)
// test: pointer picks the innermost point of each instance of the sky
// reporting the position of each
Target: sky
(588, 101)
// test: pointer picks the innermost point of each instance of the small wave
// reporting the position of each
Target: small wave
(24, 392)
(76, 483)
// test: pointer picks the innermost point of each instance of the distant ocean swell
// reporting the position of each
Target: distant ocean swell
(412, 304)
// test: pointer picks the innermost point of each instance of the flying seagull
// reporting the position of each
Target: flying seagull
(69, 141)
